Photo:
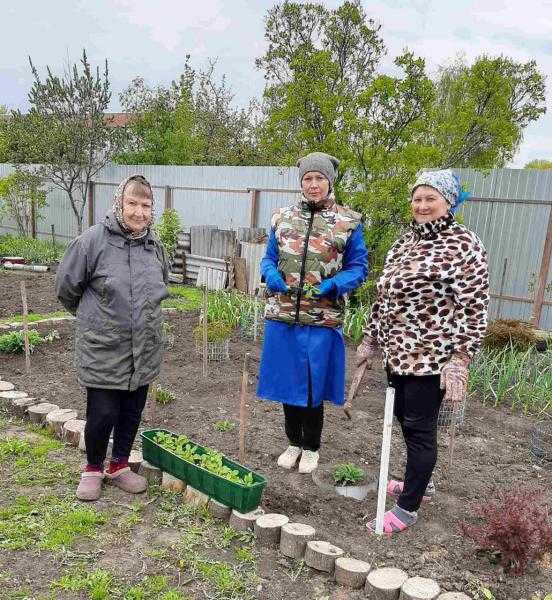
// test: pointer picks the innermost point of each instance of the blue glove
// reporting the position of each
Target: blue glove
(327, 287)
(274, 282)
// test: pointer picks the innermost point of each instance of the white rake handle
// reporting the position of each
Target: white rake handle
(385, 451)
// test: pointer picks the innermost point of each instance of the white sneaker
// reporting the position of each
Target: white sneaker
(287, 459)
(308, 462)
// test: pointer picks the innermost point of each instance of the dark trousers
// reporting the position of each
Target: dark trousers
(119, 411)
(304, 425)
(417, 402)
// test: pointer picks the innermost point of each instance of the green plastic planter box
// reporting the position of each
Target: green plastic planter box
(241, 497)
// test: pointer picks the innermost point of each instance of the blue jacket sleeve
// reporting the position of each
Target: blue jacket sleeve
(269, 262)
(355, 264)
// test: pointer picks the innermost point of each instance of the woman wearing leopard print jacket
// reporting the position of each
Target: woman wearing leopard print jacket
(428, 320)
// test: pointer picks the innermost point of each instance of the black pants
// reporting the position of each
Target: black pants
(304, 425)
(417, 402)
(119, 411)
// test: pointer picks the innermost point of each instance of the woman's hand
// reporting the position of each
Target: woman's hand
(325, 288)
(275, 282)
(365, 352)
(454, 378)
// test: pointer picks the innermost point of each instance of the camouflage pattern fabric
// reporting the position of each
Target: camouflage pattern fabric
(311, 245)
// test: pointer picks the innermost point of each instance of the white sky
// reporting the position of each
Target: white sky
(151, 38)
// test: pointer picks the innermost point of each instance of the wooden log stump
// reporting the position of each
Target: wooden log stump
(57, 418)
(244, 521)
(218, 510)
(385, 583)
(195, 497)
(38, 412)
(72, 430)
(420, 588)
(171, 483)
(268, 528)
(351, 572)
(20, 406)
(6, 386)
(12, 395)
(151, 473)
(453, 596)
(321, 555)
(294, 538)
(135, 460)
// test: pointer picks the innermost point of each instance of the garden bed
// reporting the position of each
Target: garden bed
(491, 450)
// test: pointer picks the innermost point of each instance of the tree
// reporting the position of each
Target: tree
(324, 92)
(21, 198)
(66, 130)
(539, 163)
(193, 121)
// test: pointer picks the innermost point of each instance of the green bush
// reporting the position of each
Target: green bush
(35, 251)
(168, 229)
(13, 342)
(347, 474)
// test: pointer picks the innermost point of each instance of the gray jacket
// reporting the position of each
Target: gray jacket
(114, 286)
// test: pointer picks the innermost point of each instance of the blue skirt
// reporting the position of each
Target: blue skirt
(289, 352)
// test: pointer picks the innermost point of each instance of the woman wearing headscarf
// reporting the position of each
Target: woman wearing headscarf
(428, 320)
(315, 255)
(113, 278)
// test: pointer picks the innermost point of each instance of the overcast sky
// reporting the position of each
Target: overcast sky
(151, 38)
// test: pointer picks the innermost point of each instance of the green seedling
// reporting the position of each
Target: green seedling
(224, 426)
(347, 474)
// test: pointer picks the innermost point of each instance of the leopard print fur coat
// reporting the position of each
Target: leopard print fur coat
(432, 298)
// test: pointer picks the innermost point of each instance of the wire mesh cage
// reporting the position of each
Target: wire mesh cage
(251, 328)
(449, 411)
(216, 351)
(541, 442)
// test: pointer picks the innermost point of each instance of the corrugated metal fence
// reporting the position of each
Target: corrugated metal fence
(511, 212)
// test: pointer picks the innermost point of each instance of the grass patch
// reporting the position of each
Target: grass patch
(164, 396)
(224, 426)
(34, 317)
(48, 523)
(35, 251)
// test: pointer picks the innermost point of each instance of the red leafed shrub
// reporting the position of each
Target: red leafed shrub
(517, 525)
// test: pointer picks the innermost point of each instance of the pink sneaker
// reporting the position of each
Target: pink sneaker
(90, 486)
(127, 480)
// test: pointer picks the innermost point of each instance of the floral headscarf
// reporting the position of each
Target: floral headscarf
(446, 183)
(118, 206)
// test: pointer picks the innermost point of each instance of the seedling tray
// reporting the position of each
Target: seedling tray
(241, 497)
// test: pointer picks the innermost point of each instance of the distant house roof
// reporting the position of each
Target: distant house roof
(119, 119)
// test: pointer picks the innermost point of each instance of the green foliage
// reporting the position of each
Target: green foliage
(211, 460)
(324, 92)
(356, 318)
(168, 229)
(164, 396)
(47, 523)
(539, 164)
(216, 332)
(522, 379)
(13, 342)
(347, 474)
(35, 251)
(21, 193)
(34, 317)
(66, 130)
(224, 426)
(191, 122)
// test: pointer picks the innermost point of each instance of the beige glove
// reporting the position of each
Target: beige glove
(365, 352)
(454, 378)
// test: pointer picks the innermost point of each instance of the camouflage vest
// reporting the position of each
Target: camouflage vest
(311, 246)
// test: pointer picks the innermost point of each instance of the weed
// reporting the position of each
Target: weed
(164, 396)
(347, 474)
(224, 426)
(14, 342)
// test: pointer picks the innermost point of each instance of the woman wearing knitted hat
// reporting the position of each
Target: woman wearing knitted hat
(315, 255)
(113, 278)
(428, 320)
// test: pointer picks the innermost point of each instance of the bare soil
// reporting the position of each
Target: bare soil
(491, 452)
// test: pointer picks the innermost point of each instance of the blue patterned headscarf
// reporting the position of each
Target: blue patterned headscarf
(446, 183)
